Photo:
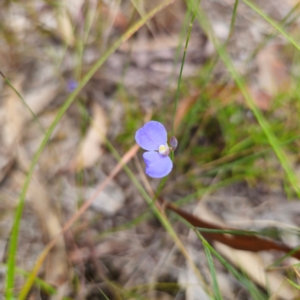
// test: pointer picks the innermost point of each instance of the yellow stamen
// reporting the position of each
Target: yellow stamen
(164, 150)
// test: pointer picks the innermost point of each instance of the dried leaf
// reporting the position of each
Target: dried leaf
(64, 25)
(184, 106)
(241, 242)
(272, 73)
(251, 263)
(90, 150)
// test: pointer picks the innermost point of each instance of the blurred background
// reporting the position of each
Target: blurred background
(234, 109)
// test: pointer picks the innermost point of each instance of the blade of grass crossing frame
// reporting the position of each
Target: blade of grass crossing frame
(44, 286)
(274, 24)
(179, 47)
(247, 283)
(283, 23)
(232, 21)
(281, 259)
(18, 214)
(234, 232)
(103, 294)
(293, 284)
(216, 290)
(256, 112)
(22, 99)
(209, 72)
(181, 69)
(163, 181)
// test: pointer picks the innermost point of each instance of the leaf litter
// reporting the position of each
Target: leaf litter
(73, 165)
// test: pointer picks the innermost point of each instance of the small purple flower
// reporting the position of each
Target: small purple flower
(71, 85)
(153, 138)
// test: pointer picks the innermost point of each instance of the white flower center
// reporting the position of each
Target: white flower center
(164, 150)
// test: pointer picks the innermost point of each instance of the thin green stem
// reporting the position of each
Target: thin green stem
(176, 60)
(277, 26)
(181, 67)
(24, 102)
(236, 3)
(217, 293)
(272, 35)
(255, 292)
(207, 79)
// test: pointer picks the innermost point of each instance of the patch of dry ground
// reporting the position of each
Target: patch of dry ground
(40, 51)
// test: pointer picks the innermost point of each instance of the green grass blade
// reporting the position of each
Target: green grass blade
(227, 231)
(43, 285)
(18, 214)
(24, 102)
(293, 284)
(254, 291)
(103, 294)
(216, 290)
(39, 282)
(208, 77)
(273, 23)
(178, 50)
(273, 141)
(236, 3)
(164, 180)
(284, 23)
(181, 68)
(281, 259)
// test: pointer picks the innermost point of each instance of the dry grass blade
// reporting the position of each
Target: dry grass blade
(125, 159)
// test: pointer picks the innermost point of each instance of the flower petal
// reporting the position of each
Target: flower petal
(157, 165)
(151, 136)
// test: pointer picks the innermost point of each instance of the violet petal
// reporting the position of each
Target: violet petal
(151, 136)
(157, 165)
